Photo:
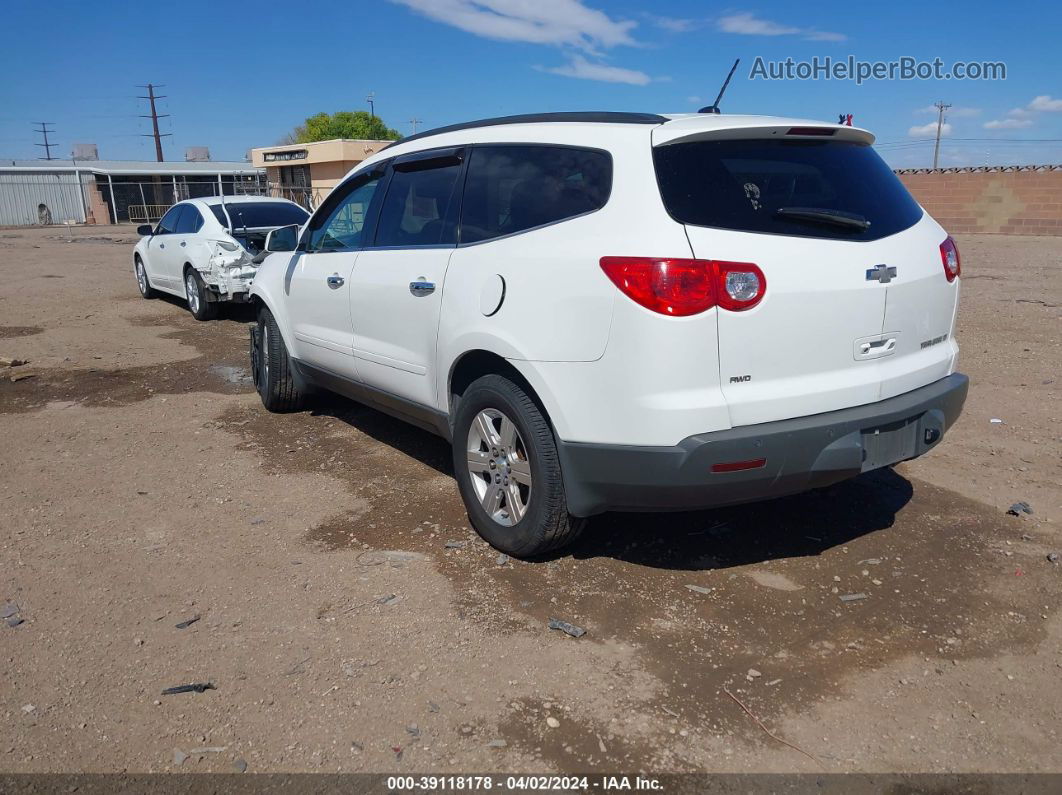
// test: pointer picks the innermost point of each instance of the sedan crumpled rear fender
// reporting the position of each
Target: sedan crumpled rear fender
(227, 271)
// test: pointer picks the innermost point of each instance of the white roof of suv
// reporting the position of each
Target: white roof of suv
(666, 128)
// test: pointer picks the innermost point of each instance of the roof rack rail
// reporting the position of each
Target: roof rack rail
(600, 116)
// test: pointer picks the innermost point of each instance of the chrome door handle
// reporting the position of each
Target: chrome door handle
(421, 287)
(335, 281)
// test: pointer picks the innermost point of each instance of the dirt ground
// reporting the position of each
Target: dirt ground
(351, 621)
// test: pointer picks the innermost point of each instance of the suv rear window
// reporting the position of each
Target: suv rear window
(513, 188)
(784, 187)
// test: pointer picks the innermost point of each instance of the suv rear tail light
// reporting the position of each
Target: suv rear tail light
(743, 285)
(949, 256)
(683, 287)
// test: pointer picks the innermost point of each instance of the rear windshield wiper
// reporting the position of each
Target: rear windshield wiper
(822, 216)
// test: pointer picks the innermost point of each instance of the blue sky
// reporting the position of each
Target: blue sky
(239, 75)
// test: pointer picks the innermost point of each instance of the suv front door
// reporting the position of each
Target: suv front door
(397, 283)
(318, 283)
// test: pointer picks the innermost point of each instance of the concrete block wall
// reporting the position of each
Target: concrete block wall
(991, 202)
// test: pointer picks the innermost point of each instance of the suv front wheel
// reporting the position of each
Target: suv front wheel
(271, 367)
(508, 472)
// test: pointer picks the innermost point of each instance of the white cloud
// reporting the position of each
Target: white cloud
(583, 69)
(674, 24)
(1044, 103)
(1020, 118)
(929, 130)
(1007, 124)
(747, 24)
(824, 35)
(694, 100)
(558, 22)
(750, 25)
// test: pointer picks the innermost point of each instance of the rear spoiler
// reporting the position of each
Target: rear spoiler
(687, 129)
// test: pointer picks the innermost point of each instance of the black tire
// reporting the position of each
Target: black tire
(143, 283)
(546, 523)
(271, 366)
(198, 305)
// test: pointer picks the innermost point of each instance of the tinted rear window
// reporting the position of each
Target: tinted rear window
(190, 220)
(419, 209)
(255, 214)
(219, 214)
(743, 184)
(512, 188)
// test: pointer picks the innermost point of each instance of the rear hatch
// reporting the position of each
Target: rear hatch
(857, 307)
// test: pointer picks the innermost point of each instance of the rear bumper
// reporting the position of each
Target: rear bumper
(802, 453)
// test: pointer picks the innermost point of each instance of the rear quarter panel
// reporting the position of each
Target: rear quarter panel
(558, 321)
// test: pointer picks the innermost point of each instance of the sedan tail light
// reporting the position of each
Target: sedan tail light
(949, 256)
(683, 287)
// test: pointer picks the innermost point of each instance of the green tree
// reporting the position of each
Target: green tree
(345, 124)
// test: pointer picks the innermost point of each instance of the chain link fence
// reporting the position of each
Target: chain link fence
(61, 198)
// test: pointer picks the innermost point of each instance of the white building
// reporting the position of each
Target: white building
(112, 191)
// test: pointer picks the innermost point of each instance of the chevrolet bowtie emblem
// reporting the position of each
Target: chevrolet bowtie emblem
(881, 273)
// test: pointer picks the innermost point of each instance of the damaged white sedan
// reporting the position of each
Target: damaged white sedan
(203, 250)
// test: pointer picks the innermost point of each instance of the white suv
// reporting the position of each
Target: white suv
(617, 311)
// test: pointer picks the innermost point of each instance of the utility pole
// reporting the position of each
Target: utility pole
(414, 122)
(941, 107)
(47, 145)
(151, 97)
(371, 100)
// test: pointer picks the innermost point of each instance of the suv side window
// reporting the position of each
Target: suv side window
(168, 224)
(342, 222)
(511, 188)
(420, 208)
(190, 221)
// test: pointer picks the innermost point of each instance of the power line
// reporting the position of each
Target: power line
(958, 143)
(414, 122)
(155, 116)
(46, 145)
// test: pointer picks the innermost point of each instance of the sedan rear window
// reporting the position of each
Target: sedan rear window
(832, 189)
(259, 214)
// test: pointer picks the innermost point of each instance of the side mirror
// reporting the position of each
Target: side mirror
(284, 238)
(145, 230)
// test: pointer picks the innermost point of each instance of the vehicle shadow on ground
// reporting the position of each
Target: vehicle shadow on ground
(425, 447)
(791, 527)
(799, 526)
(235, 313)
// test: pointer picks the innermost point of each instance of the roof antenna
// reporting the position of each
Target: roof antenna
(714, 107)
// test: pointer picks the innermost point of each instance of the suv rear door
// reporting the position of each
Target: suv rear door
(793, 201)
(397, 281)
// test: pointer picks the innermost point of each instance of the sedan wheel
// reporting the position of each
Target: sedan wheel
(195, 292)
(191, 289)
(142, 282)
